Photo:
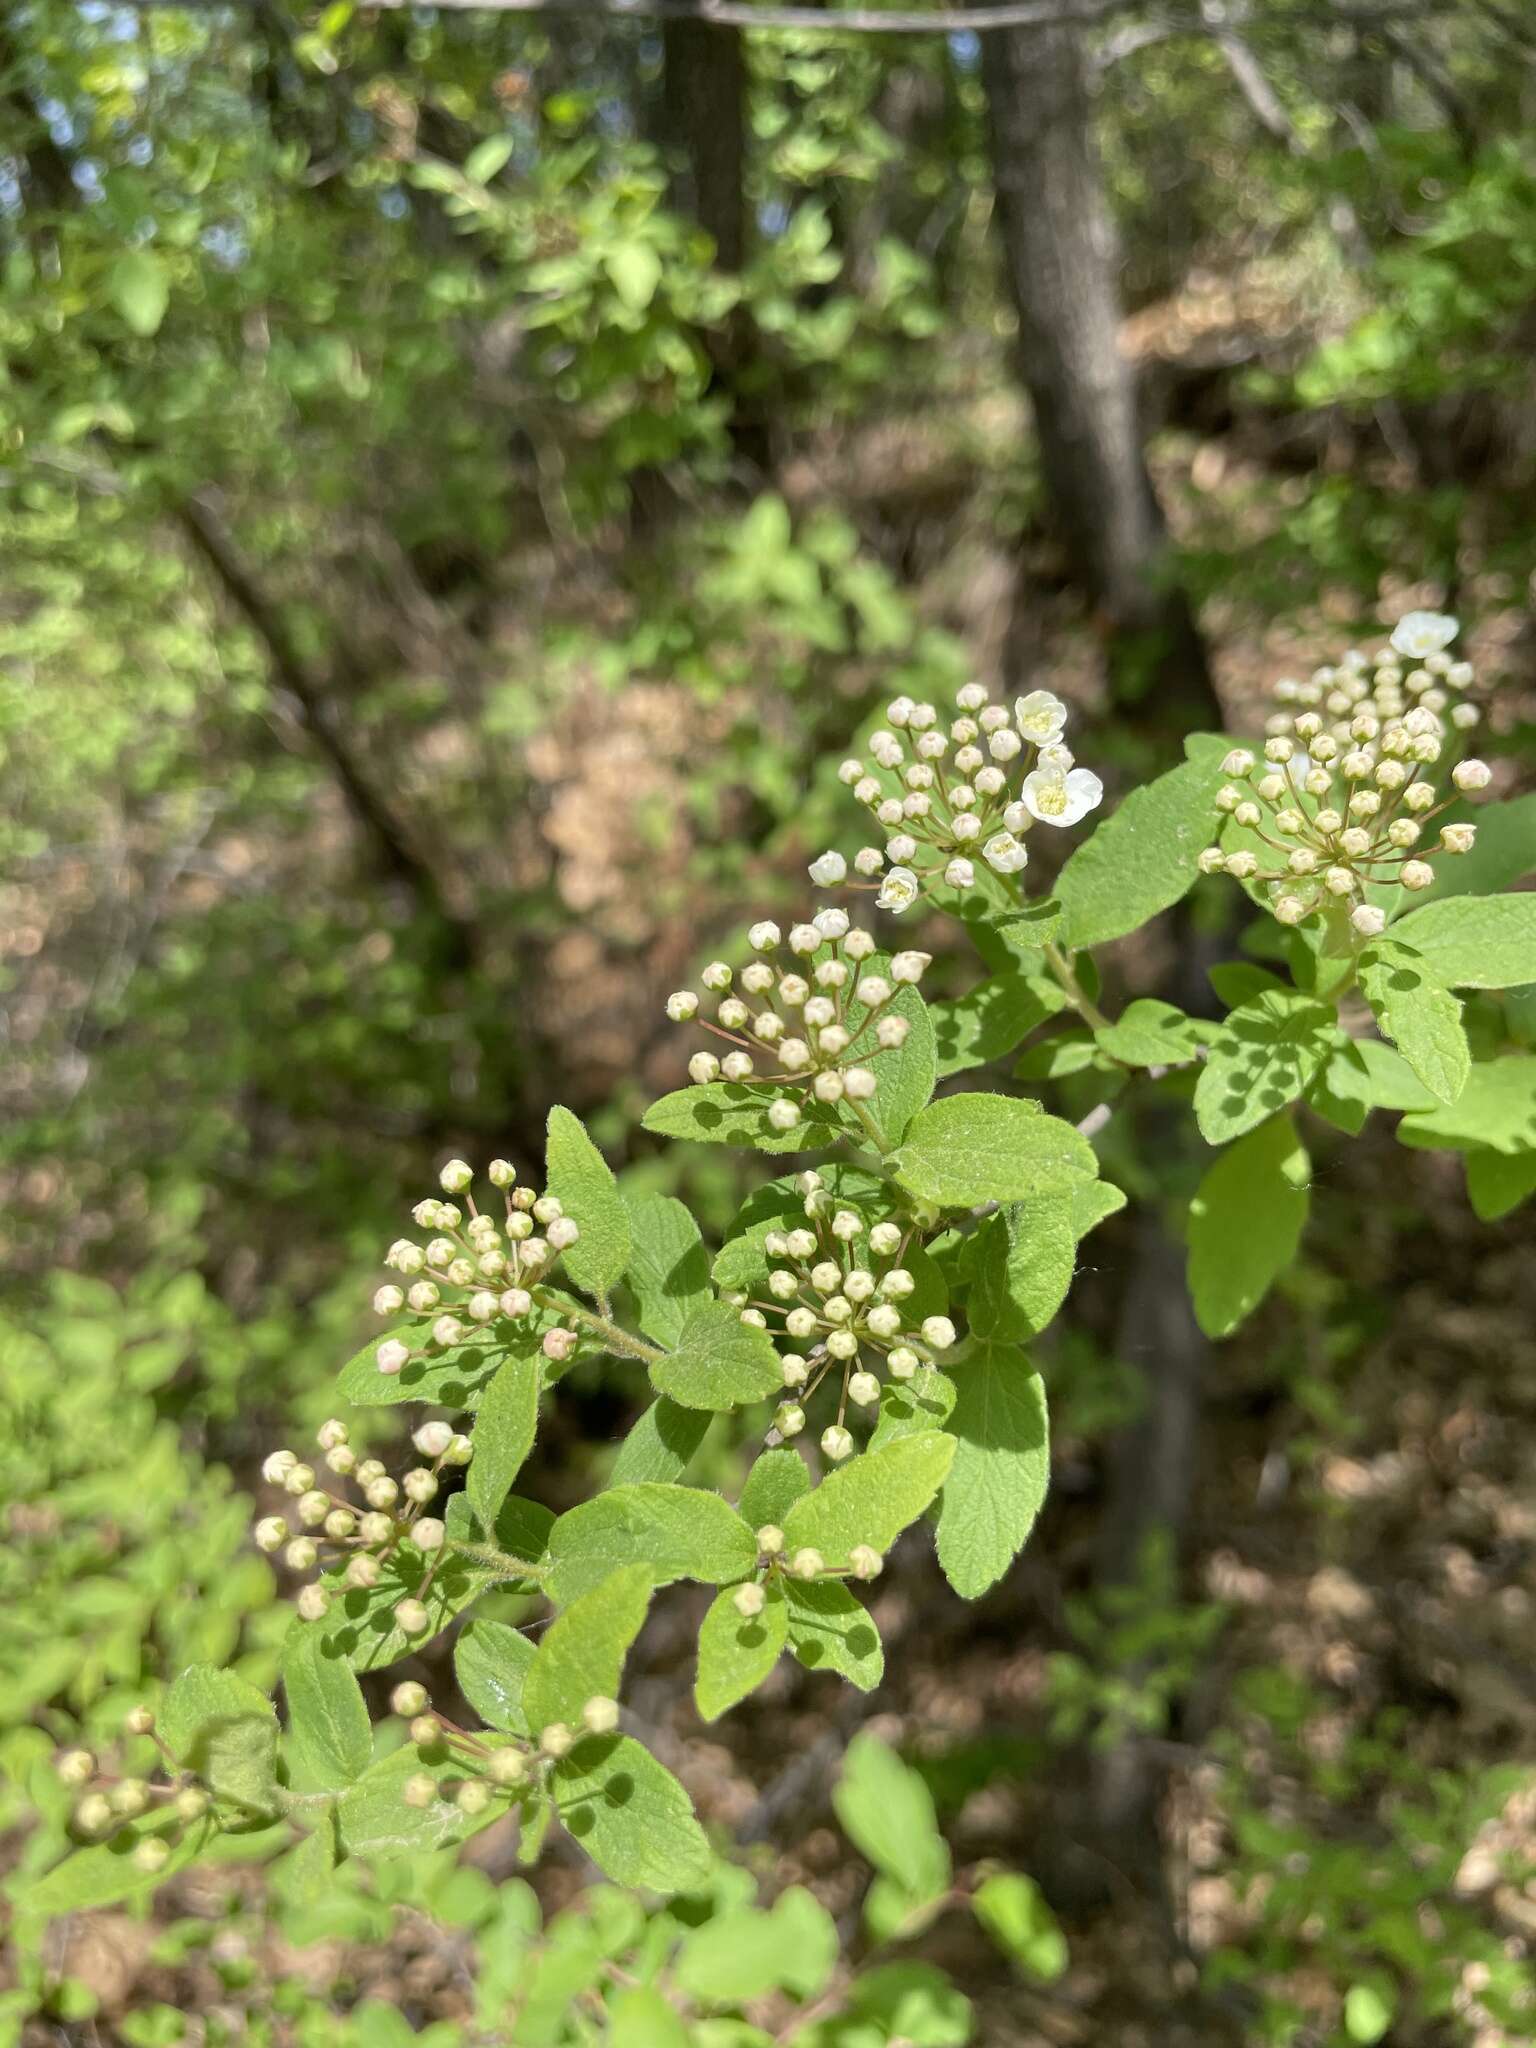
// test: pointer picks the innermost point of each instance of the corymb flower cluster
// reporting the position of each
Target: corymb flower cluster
(115, 1802)
(486, 1768)
(1351, 778)
(807, 1027)
(949, 799)
(475, 1271)
(386, 1528)
(837, 1290)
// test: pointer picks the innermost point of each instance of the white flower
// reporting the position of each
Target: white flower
(1005, 854)
(828, 869)
(1418, 634)
(899, 890)
(1057, 799)
(1040, 717)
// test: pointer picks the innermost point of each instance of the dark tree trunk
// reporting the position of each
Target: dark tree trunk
(704, 130)
(1061, 256)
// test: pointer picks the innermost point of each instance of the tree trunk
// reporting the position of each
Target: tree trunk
(704, 130)
(1061, 256)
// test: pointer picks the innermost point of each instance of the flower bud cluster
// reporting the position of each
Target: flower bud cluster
(775, 1559)
(325, 1528)
(1351, 777)
(110, 1801)
(837, 1293)
(806, 1021)
(475, 1270)
(948, 800)
(496, 1768)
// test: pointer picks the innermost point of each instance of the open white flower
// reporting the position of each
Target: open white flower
(1057, 799)
(828, 869)
(1040, 717)
(1005, 854)
(899, 890)
(1419, 634)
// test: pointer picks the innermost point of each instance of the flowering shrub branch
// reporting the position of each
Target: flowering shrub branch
(878, 1304)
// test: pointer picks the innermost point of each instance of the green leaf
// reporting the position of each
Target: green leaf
(1365, 1072)
(830, 1631)
(361, 1623)
(582, 1654)
(1262, 1058)
(635, 269)
(662, 1443)
(1149, 1034)
(373, 1819)
(871, 1499)
(1367, 2013)
(886, 1811)
(733, 1113)
(489, 157)
(1093, 1203)
(987, 1024)
(1498, 1183)
(504, 1430)
(1013, 1911)
(580, 1179)
(1245, 1223)
(743, 1953)
(328, 1720)
(221, 1727)
(720, 1361)
(668, 1265)
(904, 1077)
(630, 1815)
(140, 290)
(1482, 942)
(1142, 858)
(1497, 1109)
(911, 2001)
(1001, 1471)
(491, 1663)
(912, 1407)
(641, 2018)
(1419, 1014)
(968, 1149)
(1024, 1261)
(453, 1378)
(681, 1532)
(737, 1653)
(777, 1480)
(105, 1873)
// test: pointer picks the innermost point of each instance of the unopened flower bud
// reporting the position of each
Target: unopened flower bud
(271, 1533)
(1469, 775)
(1457, 838)
(427, 1533)
(703, 1068)
(419, 1790)
(302, 1554)
(190, 1803)
(363, 1572)
(425, 1731)
(277, 1466)
(865, 1562)
(600, 1715)
(313, 1603)
(75, 1767)
(392, 1356)
(789, 1419)
(93, 1814)
(456, 1176)
(807, 1564)
(408, 1699)
(558, 1344)
(938, 1331)
(388, 1301)
(472, 1797)
(1416, 874)
(152, 1854)
(864, 1388)
(1368, 921)
(556, 1740)
(411, 1617)
(683, 1006)
(836, 1442)
(749, 1600)
(432, 1439)
(506, 1767)
(501, 1173)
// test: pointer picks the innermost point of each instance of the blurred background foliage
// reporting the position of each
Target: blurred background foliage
(465, 479)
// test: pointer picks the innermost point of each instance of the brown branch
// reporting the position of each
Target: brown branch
(219, 550)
